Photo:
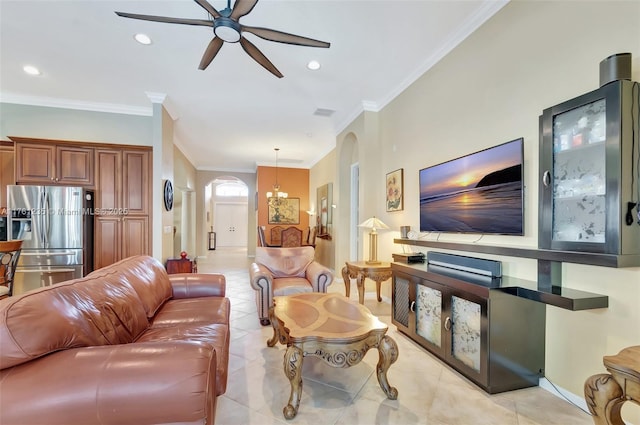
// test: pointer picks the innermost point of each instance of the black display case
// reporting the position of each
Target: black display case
(589, 172)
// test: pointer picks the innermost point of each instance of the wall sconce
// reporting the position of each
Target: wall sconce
(374, 224)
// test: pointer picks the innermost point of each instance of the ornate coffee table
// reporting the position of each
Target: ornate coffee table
(333, 328)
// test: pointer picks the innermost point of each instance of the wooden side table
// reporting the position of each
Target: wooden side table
(180, 265)
(360, 270)
(606, 392)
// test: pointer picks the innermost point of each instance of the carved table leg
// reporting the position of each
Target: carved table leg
(361, 279)
(378, 284)
(388, 355)
(604, 398)
(347, 281)
(293, 369)
(274, 339)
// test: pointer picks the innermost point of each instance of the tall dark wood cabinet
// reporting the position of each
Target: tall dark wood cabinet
(123, 190)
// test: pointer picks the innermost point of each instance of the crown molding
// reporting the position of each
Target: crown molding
(475, 21)
(370, 106)
(156, 97)
(50, 102)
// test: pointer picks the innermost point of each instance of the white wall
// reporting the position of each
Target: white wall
(70, 124)
(489, 90)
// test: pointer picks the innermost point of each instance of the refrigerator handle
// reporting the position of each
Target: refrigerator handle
(40, 218)
(47, 219)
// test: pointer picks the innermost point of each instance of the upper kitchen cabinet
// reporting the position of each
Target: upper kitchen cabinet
(52, 163)
(7, 176)
(588, 171)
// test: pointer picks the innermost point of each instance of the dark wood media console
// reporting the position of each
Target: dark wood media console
(492, 337)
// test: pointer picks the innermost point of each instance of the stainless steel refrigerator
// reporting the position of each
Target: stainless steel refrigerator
(55, 224)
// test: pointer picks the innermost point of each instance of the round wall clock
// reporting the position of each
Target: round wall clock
(168, 195)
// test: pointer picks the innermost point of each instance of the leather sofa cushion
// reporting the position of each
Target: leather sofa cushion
(204, 320)
(147, 276)
(126, 384)
(285, 262)
(78, 313)
(193, 310)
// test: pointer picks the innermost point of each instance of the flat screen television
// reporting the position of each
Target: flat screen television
(482, 192)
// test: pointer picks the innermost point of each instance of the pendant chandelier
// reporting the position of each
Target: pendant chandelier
(276, 198)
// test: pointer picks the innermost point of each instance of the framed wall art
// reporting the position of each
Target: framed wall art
(284, 211)
(395, 190)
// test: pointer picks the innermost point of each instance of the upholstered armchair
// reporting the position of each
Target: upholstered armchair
(285, 271)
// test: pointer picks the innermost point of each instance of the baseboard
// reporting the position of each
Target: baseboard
(560, 392)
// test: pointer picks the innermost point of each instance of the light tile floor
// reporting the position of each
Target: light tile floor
(429, 392)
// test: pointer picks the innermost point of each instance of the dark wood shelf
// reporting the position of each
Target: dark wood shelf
(558, 296)
(593, 259)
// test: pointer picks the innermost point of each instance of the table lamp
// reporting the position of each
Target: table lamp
(374, 224)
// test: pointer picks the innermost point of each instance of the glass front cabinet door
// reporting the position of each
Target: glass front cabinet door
(448, 322)
(588, 162)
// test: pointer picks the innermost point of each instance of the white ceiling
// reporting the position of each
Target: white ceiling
(232, 115)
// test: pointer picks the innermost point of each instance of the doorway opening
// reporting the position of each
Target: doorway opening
(227, 209)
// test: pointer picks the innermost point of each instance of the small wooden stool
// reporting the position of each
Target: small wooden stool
(606, 392)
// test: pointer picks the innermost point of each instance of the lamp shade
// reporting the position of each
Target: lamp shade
(373, 223)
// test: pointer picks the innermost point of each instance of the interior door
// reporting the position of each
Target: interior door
(230, 224)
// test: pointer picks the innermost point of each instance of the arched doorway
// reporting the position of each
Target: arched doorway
(227, 208)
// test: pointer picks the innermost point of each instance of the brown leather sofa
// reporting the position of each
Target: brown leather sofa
(127, 344)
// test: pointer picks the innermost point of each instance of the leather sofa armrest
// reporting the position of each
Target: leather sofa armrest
(319, 276)
(151, 382)
(193, 285)
(260, 277)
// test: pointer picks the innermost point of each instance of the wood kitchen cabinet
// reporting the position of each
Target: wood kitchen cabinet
(122, 204)
(107, 239)
(7, 176)
(51, 164)
(135, 174)
(120, 175)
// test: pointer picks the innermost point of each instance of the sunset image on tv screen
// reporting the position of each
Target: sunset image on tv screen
(478, 193)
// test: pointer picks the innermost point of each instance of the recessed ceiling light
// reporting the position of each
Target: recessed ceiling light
(31, 70)
(313, 65)
(142, 39)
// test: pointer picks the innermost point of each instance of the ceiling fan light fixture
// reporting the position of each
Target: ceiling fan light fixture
(142, 39)
(227, 29)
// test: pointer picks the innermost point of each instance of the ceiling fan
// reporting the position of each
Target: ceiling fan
(227, 28)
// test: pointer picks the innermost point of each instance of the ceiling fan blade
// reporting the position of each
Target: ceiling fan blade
(259, 57)
(207, 6)
(212, 50)
(199, 22)
(283, 37)
(241, 8)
